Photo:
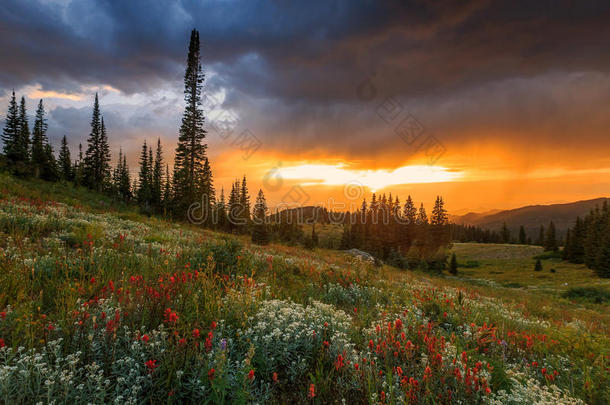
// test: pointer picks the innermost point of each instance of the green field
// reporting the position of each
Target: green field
(101, 304)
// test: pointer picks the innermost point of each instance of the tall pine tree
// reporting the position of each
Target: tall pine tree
(65, 162)
(190, 152)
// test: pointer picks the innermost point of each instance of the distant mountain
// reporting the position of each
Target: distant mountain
(531, 216)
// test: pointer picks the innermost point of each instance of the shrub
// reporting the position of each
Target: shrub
(593, 294)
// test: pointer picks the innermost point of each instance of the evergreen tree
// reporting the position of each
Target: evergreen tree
(190, 152)
(522, 236)
(43, 160)
(157, 177)
(125, 181)
(11, 134)
(439, 213)
(65, 161)
(221, 212)
(453, 265)
(144, 178)
(167, 192)
(538, 265)
(91, 170)
(505, 233)
(104, 158)
(602, 258)
(22, 147)
(244, 200)
(260, 234)
(208, 192)
(550, 242)
(422, 218)
(79, 173)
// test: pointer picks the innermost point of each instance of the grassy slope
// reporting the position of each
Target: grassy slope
(292, 271)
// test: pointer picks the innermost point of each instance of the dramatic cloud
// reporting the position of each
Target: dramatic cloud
(527, 82)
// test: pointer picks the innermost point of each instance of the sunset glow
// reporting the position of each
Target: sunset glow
(340, 174)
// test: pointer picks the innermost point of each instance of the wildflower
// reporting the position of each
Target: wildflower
(274, 377)
(170, 316)
(356, 366)
(213, 324)
(3, 314)
(251, 375)
(312, 391)
(543, 370)
(326, 324)
(51, 327)
(382, 396)
(211, 374)
(399, 371)
(398, 324)
(339, 363)
(196, 333)
(2, 344)
(151, 365)
(223, 344)
(326, 344)
(145, 338)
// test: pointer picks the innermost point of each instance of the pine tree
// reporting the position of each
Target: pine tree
(22, 147)
(91, 163)
(157, 177)
(453, 265)
(422, 218)
(505, 233)
(104, 158)
(50, 170)
(244, 200)
(439, 213)
(190, 152)
(39, 141)
(260, 233)
(221, 212)
(65, 161)
(144, 187)
(208, 192)
(11, 134)
(602, 258)
(538, 265)
(167, 192)
(125, 181)
(550, 242)
(79, 167)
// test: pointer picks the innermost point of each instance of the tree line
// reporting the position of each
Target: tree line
(154, 189)
(402, 235)
(588, 241)
(546, 237)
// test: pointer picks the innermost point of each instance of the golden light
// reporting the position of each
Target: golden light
(340, 174)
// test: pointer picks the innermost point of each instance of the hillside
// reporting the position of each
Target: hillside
(532, 216)
(112, 306)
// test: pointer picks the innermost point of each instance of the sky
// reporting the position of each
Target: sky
(491, 104)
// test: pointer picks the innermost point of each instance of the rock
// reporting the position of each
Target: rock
(362, 256)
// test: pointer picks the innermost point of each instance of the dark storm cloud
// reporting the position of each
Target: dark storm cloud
(292, 69)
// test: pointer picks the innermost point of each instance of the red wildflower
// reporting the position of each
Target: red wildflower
(151, 365)
(326, 344)
(213, 324)
(211, 374)
(274, 377)
(145, 338)
(51, 327)
(312, 391)
(398, 324)
(196, 333)
(2, 344)
(251, 375)
(3, 314)
(339, 363)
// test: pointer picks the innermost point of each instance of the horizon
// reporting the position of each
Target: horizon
(400, 120)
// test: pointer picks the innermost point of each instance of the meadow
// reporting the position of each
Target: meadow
(100, 304)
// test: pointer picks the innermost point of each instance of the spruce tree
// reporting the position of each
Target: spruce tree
(540, 241)
(11, 134)
(538, 265)
(50, 170)
(40, 166)
(157, 177)
(260, 233)
(64, 161)
(104, 158)
(79, 173)
(125, 181)
(422, 218)
(167, 192)
(144, 190)
(244, 200)
(550, 241)
(190, 152)
(221, 212)
(22, 147)
(505, 233)
(208, 192)
(91, 163)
